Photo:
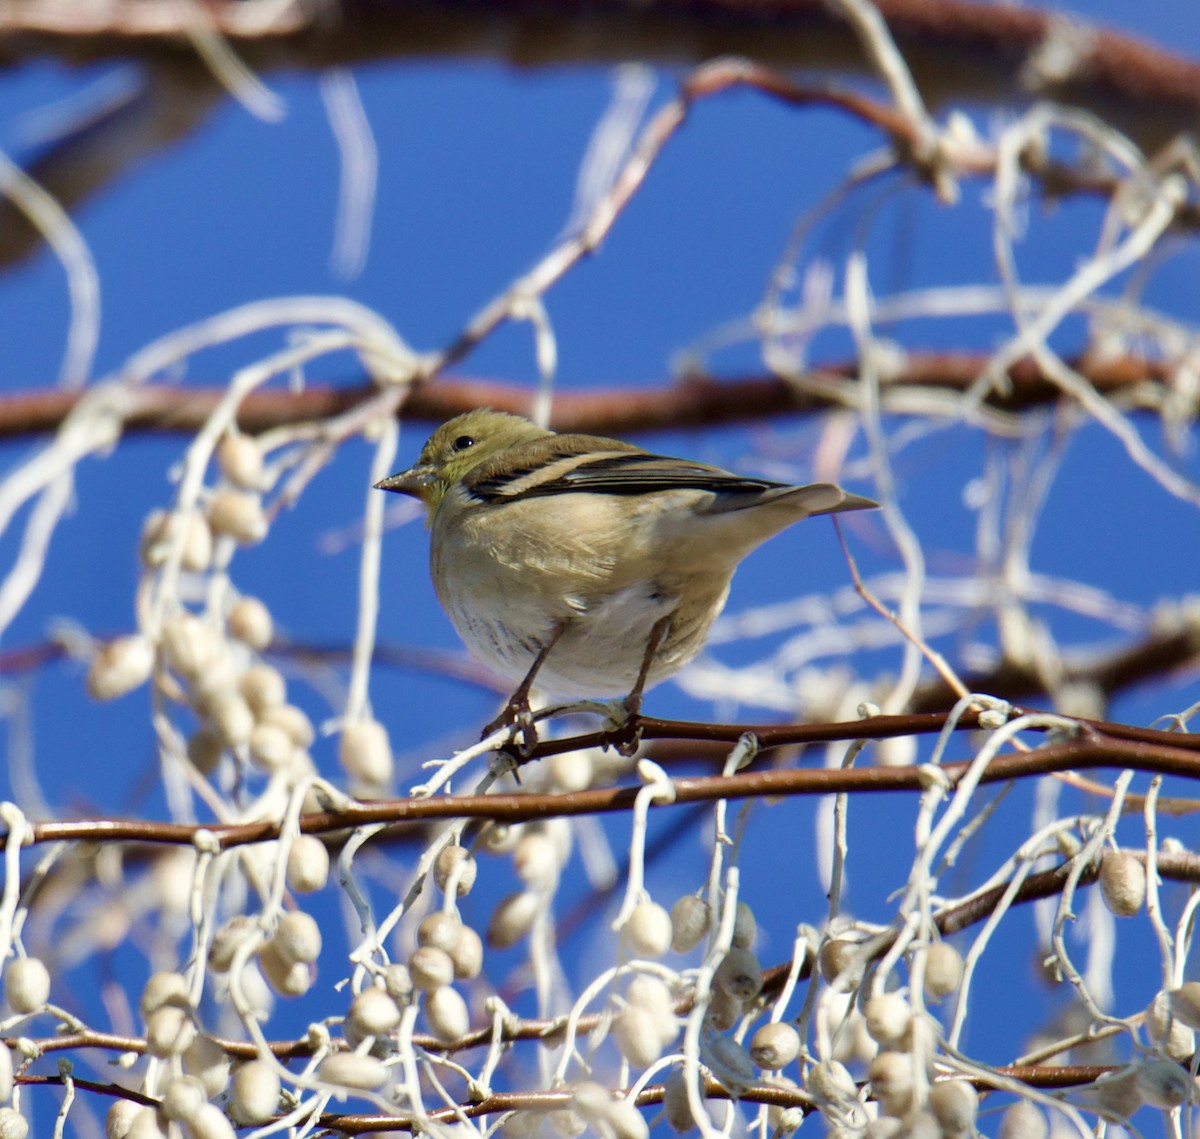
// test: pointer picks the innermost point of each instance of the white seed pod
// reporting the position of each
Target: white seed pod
(854, 1044)
(745, 928)
(209, 1063)
(784, 1120)
(1118, 1093)
(888, 1018)
(153, 546)
(240, 460)
(651, 994)
(570, 771)
(920, 1124)
(446, 1013)
(287, 978)
(119, 1118)
(565, 1123)
(1024, 1120)
(189, 645)
(6, 1074)
(775, 1045)
(119, 667)
(591, 1102)
(254, 1093)
(398, 982)
(169, 1032)
(307, 865)
(467, 955)
(892, 1082)
(163, 529)
(739, 975)
(648, 930)
(723, 1012)
(239, 515)
(625, 1121)
(301, 767)
(218, 680)
(690, 920)
(145, 1124)
(535, 860)
(263, 687)
(1163, 1084)
(440, 929)
(501, 838)
(561, 833)
(230, 716)
(210, 1122)
(26, 985)
(1171, 1034)
(830, 1082)
(373, 1012)
(197, 551)
(676, 1104)
(457, 862)
(730, 1063)
(521, 1125)
(955, 1104)
(943, 970)
(293, 721)
(1122, 883)
(183, 1098)
(366, 754)
(13, 1125)
(250, 622)
(226, 941)
(353, 1070)
(270, 747)
(205, 749)
(297, 937)
(430, 968)
(896, 751)
(637, 1036)
(512, 919)
(1185, 1003)
(840, 957)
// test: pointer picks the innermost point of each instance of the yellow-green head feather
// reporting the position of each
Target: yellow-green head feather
(456, 448)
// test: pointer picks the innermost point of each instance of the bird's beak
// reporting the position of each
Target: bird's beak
(416, 481)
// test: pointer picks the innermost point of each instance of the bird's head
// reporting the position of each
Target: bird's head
(456, 448)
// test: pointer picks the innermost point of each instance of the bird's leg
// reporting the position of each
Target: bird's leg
(633, 702)
(517, 710)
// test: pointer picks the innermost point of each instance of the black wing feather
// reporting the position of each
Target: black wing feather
(632, 474)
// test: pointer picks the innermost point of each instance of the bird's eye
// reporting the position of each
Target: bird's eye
(463, 442)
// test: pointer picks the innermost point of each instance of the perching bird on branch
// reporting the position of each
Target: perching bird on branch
(582, 564)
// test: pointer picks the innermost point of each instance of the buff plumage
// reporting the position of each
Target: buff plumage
(584, 565)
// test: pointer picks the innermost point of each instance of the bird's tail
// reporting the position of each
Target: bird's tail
(800, 501)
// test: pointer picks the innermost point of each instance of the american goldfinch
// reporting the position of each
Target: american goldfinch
(585, 565)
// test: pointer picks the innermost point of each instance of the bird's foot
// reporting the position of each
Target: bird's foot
(519, 716)
(623, 718)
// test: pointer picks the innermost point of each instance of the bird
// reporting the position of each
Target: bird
(585, 565)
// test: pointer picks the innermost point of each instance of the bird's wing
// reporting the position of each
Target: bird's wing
(565, 464)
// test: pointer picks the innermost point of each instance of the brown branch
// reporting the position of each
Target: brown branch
(1184, 867)
(1157, 655)
(1033, 1075)
(694, 401)
(1099, 745)
(957, 48)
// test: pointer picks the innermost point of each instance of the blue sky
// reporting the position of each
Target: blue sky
(477, 170)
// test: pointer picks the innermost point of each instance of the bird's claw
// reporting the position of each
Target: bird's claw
(517, 714)
(623, 718)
